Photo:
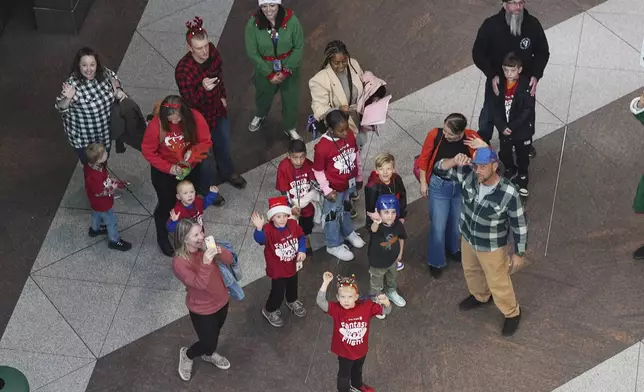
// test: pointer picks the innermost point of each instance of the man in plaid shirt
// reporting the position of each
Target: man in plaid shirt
(199, 78)
(491, 208)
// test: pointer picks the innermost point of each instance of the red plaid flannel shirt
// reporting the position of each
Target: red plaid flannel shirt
(189, 74)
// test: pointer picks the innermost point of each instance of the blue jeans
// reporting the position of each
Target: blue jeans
(445, 213)
(109, 219)
(486, 118)
(220, 136)
(338, 224)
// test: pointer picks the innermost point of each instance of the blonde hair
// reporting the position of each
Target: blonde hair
(182, 183)
(183, 228)
(382, 159)
(94, 152)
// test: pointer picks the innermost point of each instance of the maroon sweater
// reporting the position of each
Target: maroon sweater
(204, 283)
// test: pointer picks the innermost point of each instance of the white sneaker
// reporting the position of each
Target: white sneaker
(355, 240)
(217, 360)
(185, 365)
(342, 252)
(293, 134)
(255, 124)
(381, 316)
(396, 299)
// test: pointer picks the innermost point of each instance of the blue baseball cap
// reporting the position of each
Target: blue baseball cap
(484, 156)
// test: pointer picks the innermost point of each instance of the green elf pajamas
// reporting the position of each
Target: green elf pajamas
(289, 49)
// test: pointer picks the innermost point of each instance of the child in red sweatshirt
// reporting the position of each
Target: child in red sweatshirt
(100, 192)
(189, 205)
(284, 250)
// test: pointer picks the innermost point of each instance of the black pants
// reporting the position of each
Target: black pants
(165, 186)
(522, 150)
(279, 288)
(350, 373)
(307, 224)
(207, 328)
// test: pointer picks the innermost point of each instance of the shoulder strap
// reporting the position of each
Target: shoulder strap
(437, 143)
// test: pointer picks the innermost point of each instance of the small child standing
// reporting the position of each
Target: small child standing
(295, 181)
(336, 168)
(100, 192)
(189, 205)
(386, 249)
(351, 324)
(514, 117)
(284, 251)
(385, 181)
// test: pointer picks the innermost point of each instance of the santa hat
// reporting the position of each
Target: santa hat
(262, 2)
(277, 205)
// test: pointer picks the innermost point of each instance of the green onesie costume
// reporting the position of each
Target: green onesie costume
(260, 49)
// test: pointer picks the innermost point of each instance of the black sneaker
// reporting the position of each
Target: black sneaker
(237, 181)
(102, 229)
(639, 254)
(470, 303)
(510, 325)
(220, 202)
(435, 272)
(166, 248)
(120, 245)
(510, 173)
(522, 183)
(533, 151)
(455, 256)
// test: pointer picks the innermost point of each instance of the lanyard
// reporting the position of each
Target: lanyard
(297, 188)
(344, 157)
(275, 36)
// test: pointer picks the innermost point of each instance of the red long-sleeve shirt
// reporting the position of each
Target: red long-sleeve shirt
(163, 153)
(206, 291)
(189, 75)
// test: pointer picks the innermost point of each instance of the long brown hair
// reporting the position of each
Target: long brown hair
(174, 104)
(183, 228)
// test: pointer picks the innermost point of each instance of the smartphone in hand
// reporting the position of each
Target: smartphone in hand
(210, 242)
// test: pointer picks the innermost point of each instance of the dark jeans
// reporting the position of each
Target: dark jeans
(207, 328)
(81, 154)
(307, 224)
(486, 118)
(220, 136)
(350, 373)
(522, 151)
(279, 288)
(165, 186)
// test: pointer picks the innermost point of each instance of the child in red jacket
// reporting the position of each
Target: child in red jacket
(284, 250)
(189, 205)
(100, 192)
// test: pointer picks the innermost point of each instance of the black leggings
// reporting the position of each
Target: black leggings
(350, 373)
(279, 288)
(165, 186)
(207, 328)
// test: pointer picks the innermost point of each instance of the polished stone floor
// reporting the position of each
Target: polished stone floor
(75, 316)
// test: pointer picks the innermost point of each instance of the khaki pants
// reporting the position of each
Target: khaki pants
(487, 273)
(383, 280)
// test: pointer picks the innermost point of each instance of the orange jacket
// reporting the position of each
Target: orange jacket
(428, 153)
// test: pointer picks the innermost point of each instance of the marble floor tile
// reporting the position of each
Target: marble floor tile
(619, 7)
(233, 234)
(588, 95)
(267, 190)
(418, 124)
(616, 54)
(132, 167)
(43, 369)
(213, 12)
(143, 66)
(239, 202)
(617, 374)
(75, 381)
(146, 98)
(640, 371)
(91, 317)
(555, 88)
(142, 311)
(480, 97)
(627, 26)
(251, 259)
(455, 93)
(158, 9)
(563, 40)
(37, 326)
(171, 45)
(98, 263)
(59, 243)
(544, 129)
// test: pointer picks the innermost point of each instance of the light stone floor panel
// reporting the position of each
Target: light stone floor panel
(37, 326)
(42, 369)
(143, 66)
(563, 40)
(640, 370)
(234, 234)
(98, 263)
(142, 311)
(146, 98)
(159, 9)
(68, 234)
(418, 124)
(251, 259)
(131, 166)
(617, 374)
(555, 89)
(75, 381)
(171, 45)
(88, 307)
(620, 7)
(629, 27)
(213, 12)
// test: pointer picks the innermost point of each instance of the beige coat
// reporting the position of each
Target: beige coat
(327, 92)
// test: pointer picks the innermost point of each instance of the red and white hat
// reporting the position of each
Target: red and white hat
(277, 205)
(262, 2)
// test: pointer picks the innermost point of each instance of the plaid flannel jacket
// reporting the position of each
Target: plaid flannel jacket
(87, 118)
(189, 74)
(486, 225)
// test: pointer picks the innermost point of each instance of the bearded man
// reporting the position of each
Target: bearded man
(513, 29)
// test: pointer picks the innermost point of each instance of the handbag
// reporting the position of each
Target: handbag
(638, 201)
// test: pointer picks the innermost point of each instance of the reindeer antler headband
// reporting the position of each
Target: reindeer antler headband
(194, 27)
(347, 281)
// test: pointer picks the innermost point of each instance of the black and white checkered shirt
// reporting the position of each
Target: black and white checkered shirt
(485, 224)
(87, 118)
